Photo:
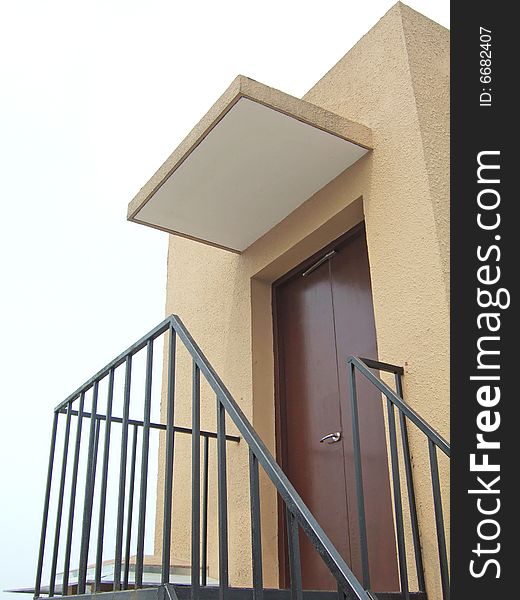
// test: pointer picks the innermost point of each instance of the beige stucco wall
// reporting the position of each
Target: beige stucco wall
(395, 80)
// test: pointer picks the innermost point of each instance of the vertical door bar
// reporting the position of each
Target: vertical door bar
(45, 517)
(195, 484)
(222, 500)
(205, 485)
(439, 521)
(256, 533)
(398, 506)
(130, 512)
(359, 478)
(144, 466)
(293, 545)
(89, 493)
(168, 467)
(61, 495)
(410, 488)
(73, 488)
(122, 475)
(104, 481)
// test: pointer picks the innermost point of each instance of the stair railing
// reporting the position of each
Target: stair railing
(394, 400)
(297, 513)
(100, 432)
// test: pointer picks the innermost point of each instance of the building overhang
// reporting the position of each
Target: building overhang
(254, 158)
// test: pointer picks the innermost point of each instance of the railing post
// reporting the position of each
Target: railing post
(122, 475)
(73, 488)
(363, 543)
(89, 493)
(104, 482)
(144, 466)
(45, 517)
(205, 485)
(168, 467)
(222, 500)
(256, 533)
(293, 546)
(195, 484)
(130, 511)
(439, 521)
(411, 490)
(59, 511)
(398, 506)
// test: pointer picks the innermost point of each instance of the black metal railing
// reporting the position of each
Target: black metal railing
(394, 400)
(90, 479)
(96, 482)
(66, 493)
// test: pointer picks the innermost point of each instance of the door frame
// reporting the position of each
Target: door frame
(279, 391)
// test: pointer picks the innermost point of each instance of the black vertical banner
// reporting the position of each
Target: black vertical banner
(485, 360)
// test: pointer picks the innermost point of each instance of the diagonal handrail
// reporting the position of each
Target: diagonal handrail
(337, 566)
(435, 441)
(117, 362)
(362, 365)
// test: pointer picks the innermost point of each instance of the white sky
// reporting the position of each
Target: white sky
(93, 97)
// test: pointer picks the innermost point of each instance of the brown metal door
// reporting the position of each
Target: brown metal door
(321, 319)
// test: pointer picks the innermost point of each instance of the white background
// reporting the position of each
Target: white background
(93, 97)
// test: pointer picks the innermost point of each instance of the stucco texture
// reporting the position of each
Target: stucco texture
(395, 81)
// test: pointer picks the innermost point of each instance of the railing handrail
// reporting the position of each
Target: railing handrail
(364, 366)
(298, 513)
(338, 567)
(116, 362)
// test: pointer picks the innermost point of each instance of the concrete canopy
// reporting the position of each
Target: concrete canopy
(254, 158)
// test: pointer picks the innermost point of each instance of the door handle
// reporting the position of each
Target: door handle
(333, 437)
